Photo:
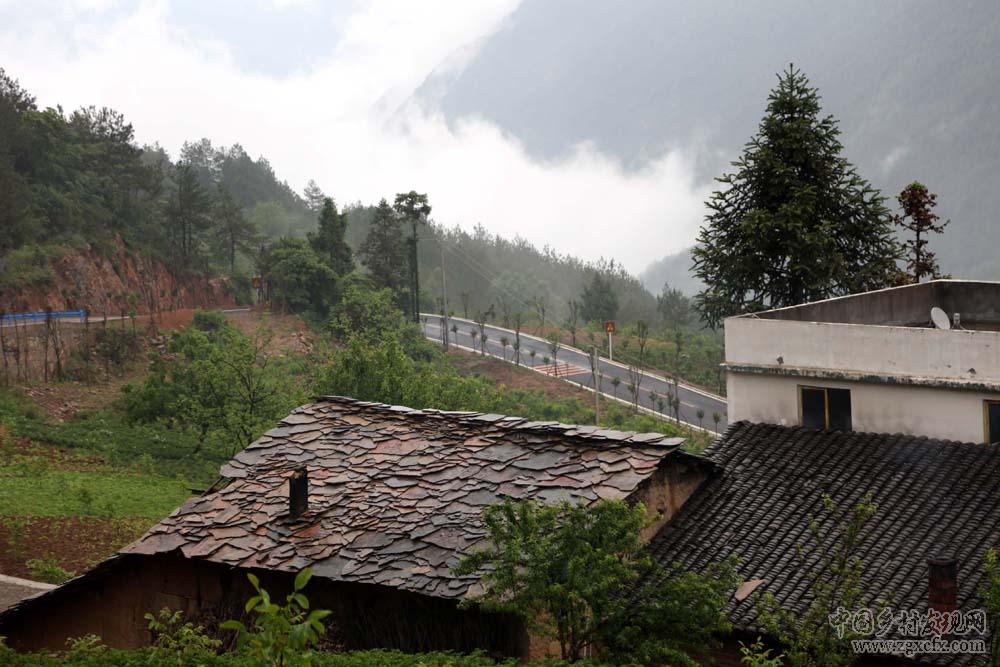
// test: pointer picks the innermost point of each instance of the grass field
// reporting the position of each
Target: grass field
(74, 492)
(30, 489)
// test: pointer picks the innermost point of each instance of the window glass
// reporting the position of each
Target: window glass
(813, 408)
(838, 404)
(830, 409)
(993, 422)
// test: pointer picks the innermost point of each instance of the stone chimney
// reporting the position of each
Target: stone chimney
(942, 584)
(298, 493)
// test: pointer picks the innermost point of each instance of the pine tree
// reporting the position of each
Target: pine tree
(188, 215)
(382, 251)
(598, 301)
(234, 231)
(916, 201)
(314, 197)
(330, 242)
(795, 222)
(413, 207)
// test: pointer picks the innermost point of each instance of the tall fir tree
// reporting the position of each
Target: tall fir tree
(414, 208)
(330, 239)
(383, 252)
(917, 203)
(794, 222)
(314, 197)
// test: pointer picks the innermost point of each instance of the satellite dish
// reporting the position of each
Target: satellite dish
(940, 318)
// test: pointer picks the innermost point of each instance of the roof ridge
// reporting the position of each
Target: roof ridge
(743, 426)
(583, 431)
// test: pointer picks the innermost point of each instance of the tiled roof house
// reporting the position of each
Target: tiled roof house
(381, 502)
(935, 498)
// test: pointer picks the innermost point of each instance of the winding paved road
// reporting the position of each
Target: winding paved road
(574, 366)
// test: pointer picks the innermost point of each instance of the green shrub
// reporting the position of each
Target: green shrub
(209, 321)
(48, 570)
(174, 636)
(91, 653)
(116, 346)
(282, 635)
(28, 266)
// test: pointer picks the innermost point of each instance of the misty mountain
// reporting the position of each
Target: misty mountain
(674, 270)
(914, 85)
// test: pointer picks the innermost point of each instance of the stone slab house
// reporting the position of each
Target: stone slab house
(381, 502)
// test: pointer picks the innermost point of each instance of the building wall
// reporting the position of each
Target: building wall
(112, 601)
(956, 356)
(666, 490)
(879, 408)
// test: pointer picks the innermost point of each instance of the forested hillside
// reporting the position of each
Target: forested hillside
(483, 270)
(77, 184)
(100, 223)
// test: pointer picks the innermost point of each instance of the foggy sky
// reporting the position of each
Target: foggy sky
(326, 91)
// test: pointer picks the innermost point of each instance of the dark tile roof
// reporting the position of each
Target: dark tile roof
(395, 495)
(934, 498)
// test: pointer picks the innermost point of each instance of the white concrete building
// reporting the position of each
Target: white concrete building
(873, 362)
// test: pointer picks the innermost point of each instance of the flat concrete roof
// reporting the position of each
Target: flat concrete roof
(977, 304)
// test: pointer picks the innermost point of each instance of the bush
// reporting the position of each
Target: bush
(282, 635)
(562, 568)
(28, 266)
(209, 322)
(49, 571)
(90, 653)
(116, 346)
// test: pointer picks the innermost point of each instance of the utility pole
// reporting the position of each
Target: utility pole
(444, 298)
(609, 326)
(414, 276)
(595, 364)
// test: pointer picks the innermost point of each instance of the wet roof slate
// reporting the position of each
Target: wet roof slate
(395, 495)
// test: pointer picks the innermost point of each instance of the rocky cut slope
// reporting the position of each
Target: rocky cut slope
(113, 283)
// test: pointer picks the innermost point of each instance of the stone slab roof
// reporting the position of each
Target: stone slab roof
(934, 498)
(395, 495)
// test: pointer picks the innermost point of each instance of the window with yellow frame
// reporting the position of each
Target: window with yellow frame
(825, 408)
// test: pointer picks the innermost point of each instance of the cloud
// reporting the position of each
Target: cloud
(349, 122)
(892, 158)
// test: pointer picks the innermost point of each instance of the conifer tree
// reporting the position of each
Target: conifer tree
(234, 231)
(794, 222)
(330, 242)
(382, 251)
(314, 197)
(188, 215)
(917, 201)
(414, 207)
(598, 301)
